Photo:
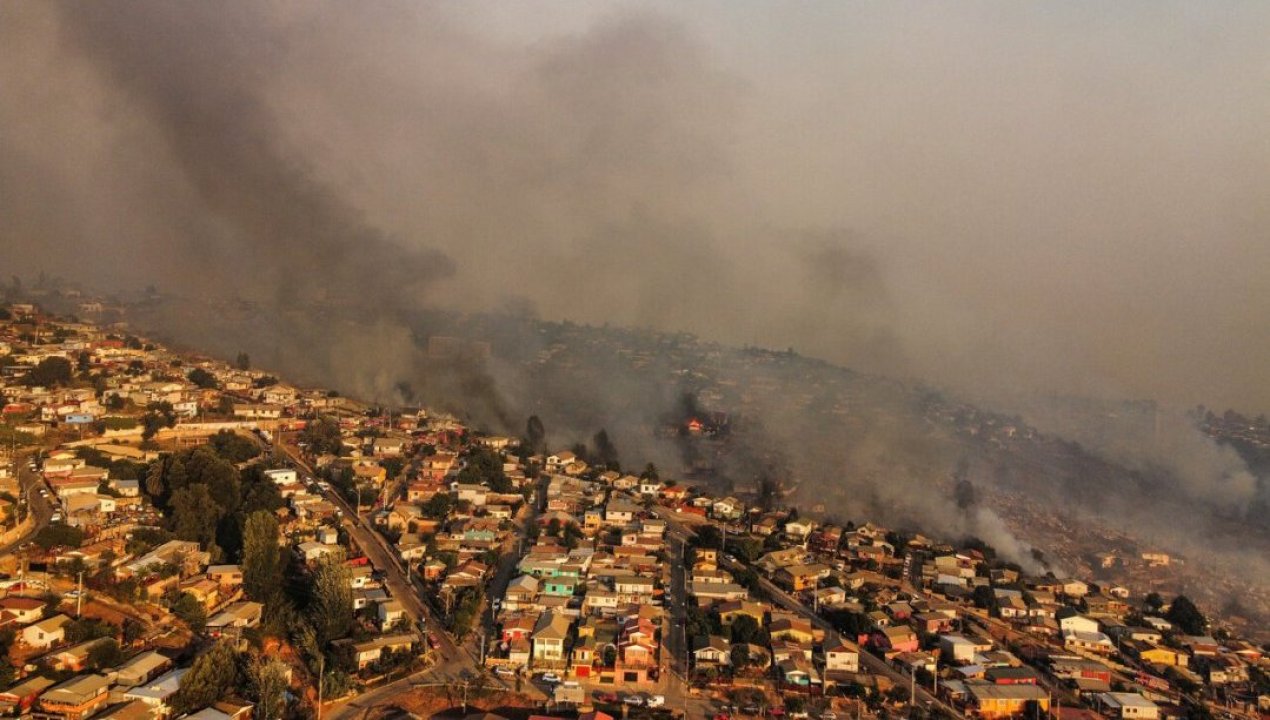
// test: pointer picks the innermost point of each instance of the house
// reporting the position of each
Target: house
(45, 633)
(141, 668)
(282, 476)
(714, 651)
(75, 699)
(225, 575)
(367, 652)
(802, 577)
(235, 617)
(158, 692)
(956, 649)
(841, 656)
(22, 610)
(790, 628)
(999, 701)
(618, 512)
(1128, 705)
(389, 613)
(897, 639)
(18, 699)
(74, 657)
(549, 638)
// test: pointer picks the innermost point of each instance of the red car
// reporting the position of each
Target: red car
(722, 716)
(432, 641)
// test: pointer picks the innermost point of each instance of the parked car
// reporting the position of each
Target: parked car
(606, 697)
(633, 700)
(655, 701)
(550, 677)
(828, 715)
(503, 671)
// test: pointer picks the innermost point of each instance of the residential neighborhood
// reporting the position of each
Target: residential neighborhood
(168, 516)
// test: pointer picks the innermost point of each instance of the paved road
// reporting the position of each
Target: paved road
(29, 484)
(382, 558)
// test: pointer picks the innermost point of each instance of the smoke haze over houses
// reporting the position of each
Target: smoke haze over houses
(1060, 199)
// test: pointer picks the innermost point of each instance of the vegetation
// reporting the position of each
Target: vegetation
(214, 675)
(50, 372)
(331, 606)
(261, 557)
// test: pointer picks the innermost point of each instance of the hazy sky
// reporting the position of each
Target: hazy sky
(1059, 196)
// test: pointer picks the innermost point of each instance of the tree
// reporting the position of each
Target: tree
(535, 435)
(59, 535)
(650, 473)
(605, 451)
(740, 656)
(105, 654)
(1183, 613)
(188, 608)
(243, 361)
(709, 537)
(203, 379)
(214, 675)
(269, 686)
(746, 629)
(194, 514)
(331, 605)
(261, 561)
(50, 372)
(322, 436)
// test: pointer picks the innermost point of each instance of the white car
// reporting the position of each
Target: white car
(504, 671)
(655, 701)
(634, 700)
(550, 678)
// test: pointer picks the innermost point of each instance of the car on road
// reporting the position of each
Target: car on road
(654, 701)
(550, 677)
(729, 558)
(828, 715)
(722, 716)
(57, 517)
(72, 594)
(750, 709)
(606, 697)
(634, 700)
(503, 671)
(433, 642)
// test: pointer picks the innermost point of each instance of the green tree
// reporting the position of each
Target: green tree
(322, 436)
(105, 654)
(243, 361)
(194, 515)
(261, 561)
(1183, 613)
(740, 657)
(50, 372)
(269, 688)
(217, 673)
(203, 379)
(331, 605)
(59, 535)
(746, 629)
(188, 608)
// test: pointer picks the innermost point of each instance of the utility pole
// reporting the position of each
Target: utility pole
(79, 596)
